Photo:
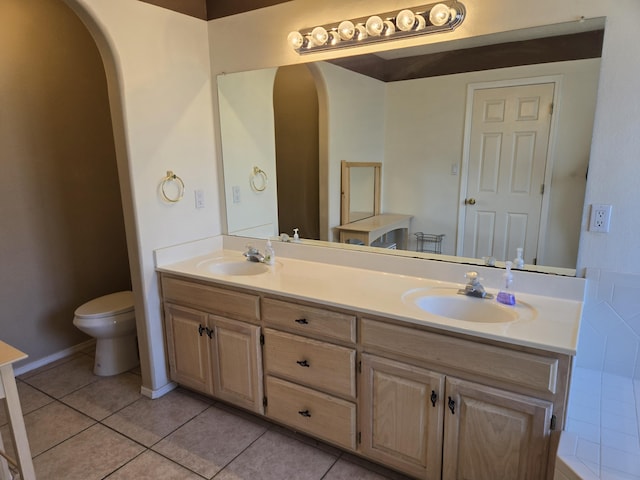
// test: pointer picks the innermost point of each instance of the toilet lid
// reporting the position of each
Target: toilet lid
(111, 304)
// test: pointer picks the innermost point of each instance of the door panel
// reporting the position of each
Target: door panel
(508, 145)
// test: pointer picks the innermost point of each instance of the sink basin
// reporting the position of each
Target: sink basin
(224, 266)
(446, 302)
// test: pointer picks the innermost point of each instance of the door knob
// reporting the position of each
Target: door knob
(470, 201)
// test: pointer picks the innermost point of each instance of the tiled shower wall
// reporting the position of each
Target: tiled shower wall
(609, 338)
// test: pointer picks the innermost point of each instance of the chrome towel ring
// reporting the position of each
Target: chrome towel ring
(172, 178)
(259, 179)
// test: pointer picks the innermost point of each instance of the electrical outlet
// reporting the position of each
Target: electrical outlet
(199, 198)
(235, 190)
(600, 218)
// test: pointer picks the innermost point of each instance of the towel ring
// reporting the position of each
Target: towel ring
(170, 178)
(263, 179)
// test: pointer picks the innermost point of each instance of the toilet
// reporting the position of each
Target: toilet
(111, 320)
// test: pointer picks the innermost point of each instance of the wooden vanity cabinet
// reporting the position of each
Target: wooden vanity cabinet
(310, 370)
(208, 351)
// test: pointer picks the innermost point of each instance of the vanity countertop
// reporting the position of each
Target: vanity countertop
(554, 327)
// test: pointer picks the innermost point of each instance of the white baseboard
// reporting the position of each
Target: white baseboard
(41, 362)
(153, 394)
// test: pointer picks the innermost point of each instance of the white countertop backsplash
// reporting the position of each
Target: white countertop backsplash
(374, 283)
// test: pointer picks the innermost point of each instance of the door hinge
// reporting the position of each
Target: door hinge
(553, 422)
(360, 366)
(551, 109)
(542, 189)
(261, 339)
(359, 438)
(264, 401)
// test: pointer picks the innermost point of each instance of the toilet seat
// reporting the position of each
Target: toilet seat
(106, 306)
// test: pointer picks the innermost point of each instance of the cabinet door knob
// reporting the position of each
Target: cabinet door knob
(452, 406)
(209, 332)
(301, 321)
(434, 397)
(305, 413)
(303, 363)
(201, 329)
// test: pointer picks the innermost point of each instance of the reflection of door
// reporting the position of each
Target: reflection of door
(295, 104)
(508, 146)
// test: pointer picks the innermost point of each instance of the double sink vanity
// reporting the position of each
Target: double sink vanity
(378, 356)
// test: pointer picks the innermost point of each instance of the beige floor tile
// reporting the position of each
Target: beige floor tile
(148, 421)
(151, 466)
(91, 455)
(105, 396)
(51, 365)
(30, 400)
(343, 470)
(277, 457)
(210, 441)
(65, 378)
(48, 426)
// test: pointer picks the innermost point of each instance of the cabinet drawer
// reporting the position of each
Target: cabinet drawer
(319, 414)
(519, 368)
(241, 306)
(309, 320)
(311, 362)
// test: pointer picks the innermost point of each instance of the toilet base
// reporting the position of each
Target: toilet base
(116, 355)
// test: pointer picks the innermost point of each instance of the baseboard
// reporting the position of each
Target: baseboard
(41, 362)
(153, 394)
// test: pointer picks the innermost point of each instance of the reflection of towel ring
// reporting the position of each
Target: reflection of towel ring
(263, 180)
(172, 177)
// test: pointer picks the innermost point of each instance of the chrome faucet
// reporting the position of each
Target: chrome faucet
(473, 288)
(253, 254)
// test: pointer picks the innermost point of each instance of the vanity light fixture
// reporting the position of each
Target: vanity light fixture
(421, 20)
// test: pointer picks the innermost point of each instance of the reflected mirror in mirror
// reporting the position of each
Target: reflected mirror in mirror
(413, 111)
(360, 190)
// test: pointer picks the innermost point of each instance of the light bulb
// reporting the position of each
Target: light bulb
(319, 36)
(334, 38)
(439, 14)
(361, 32)
(389, 28)
(420, 22)
(405, 20)
(374, 26)
(296, 40)
(346, 30)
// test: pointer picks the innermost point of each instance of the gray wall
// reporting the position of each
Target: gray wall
(62, 238)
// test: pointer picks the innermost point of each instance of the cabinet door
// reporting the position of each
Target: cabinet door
(237, 363)
(401, 416)
(490, 434)
(188, 348)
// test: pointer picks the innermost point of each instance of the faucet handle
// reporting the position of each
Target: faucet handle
(472, 277)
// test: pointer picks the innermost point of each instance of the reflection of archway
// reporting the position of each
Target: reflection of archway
(295, 105)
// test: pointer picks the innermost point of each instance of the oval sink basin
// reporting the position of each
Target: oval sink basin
(469, 309)
(446, 302)
(233, 267)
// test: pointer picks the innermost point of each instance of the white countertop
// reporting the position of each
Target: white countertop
(553, 327)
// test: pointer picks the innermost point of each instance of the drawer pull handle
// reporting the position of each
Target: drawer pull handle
(452, 406)
(201, 329)
(302, 321)
(305, 413)
(303, 363)
(434, 397)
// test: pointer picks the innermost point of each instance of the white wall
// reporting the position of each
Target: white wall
(162, 61)
(160, 89)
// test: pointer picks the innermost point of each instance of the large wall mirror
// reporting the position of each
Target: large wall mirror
(413, 111)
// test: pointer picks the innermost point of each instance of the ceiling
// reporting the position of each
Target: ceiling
(210, 9)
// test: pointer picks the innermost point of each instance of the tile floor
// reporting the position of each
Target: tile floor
(85, 427)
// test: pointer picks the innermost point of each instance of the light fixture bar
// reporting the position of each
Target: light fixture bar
(421, 20)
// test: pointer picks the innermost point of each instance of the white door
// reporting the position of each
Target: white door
(507, 148)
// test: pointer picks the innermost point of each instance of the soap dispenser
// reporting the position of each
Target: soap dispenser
(505, 296)
(269, 253)
(296, 237)
(519, 260)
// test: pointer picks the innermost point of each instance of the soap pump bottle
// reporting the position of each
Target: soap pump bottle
(269, 253)
(505, 296)
(519, 261)
(296, 237)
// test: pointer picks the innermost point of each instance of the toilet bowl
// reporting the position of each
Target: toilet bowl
(111, 320)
